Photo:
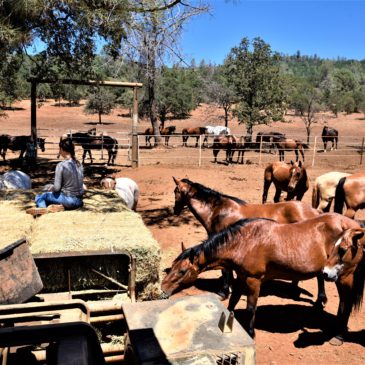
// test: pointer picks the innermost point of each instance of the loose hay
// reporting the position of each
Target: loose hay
(103, 224)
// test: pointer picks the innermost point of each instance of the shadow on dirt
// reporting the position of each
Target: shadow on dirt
(165, 217)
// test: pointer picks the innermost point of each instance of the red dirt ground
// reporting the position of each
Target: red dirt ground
(287, 331)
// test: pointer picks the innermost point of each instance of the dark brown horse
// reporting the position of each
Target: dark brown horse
(90, 141)
(288, 144)
(350, 191)
(167, 132)
(216, 211)
(259, 250)
(192, 132)
(226, 143)
(18, 143)
(269, 138)
(329, 135)
(291, 178)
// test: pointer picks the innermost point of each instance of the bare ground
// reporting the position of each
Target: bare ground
(287, 330)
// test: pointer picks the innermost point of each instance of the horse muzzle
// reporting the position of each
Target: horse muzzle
(331, 273)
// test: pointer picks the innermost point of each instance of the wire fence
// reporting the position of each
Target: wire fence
(349, 152)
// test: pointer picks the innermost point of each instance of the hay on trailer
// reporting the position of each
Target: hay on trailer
(14, 223)
(104, 223)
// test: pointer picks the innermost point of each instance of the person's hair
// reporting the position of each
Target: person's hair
(68, 146)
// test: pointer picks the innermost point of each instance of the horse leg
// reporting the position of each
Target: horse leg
(296, 155)
(281, 155)
(215, 154)
(325, 146)
(267, 183)
(196, 143)
(84, 156)
(325, 205)
(322, 297)
(227, 277)
(237, 291)
(277, 195)
(344, 310)
(253, 286)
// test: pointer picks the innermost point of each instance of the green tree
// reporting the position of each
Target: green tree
(100, 102)
(256, 79)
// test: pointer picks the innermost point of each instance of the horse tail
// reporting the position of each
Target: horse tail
(340, 196)
(315, 195)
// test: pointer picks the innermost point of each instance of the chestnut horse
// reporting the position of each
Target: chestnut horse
(227, 143)
(261, 249)
(288, 144)
(324, 190)
(291, 178)
(216, 211)
(193, 132)
(351, 192)
(167, 132)
(346, 266)
(329, 135)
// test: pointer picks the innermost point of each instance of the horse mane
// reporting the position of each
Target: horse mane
(205, 193)
(211, 245)
(358, 284)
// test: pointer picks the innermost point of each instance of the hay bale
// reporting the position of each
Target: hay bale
(82, 231)
(14, 223)
(104, 223)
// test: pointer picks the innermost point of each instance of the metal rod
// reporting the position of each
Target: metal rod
(125, 287)
(110, 318)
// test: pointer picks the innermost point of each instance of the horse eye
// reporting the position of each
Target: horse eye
(182, 272)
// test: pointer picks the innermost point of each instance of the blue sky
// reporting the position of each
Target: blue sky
(327, 28)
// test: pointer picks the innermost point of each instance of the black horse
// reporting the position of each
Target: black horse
(90, 141)
(18, 143)
(269, 138)
(329, 135)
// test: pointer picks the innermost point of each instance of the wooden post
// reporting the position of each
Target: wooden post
(362, 150)
(33, 114)
(135, 161)
(314, 150)
(200, 150)
(260, 149)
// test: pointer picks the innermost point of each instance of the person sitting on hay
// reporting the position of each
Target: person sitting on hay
(126, 188)
(67, 190)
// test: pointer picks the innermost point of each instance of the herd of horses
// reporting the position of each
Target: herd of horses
(87, 140)
(289, 240)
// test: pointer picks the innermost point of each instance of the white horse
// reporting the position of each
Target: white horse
(126, 188)
(217, 130)
(15, 179)
(324, 190)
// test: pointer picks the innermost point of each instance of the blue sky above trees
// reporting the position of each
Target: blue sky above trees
(326, 28)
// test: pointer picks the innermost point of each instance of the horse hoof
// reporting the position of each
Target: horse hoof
(336, 341)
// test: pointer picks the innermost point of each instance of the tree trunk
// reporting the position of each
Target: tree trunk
(99, 118)
(226, 117)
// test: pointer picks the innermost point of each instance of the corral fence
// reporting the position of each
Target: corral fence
(350, 151)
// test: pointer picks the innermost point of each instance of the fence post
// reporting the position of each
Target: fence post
(260, 150)
(362, 150)
(314, 150)
(102, 145)
(200, 151)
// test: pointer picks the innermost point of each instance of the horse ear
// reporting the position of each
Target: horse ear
(177, 181)
(300, 164)
(291, 162)
(182, 247)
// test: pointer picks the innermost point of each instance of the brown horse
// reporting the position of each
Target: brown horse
(226, 143)
(291, 178)
(329, 135)
(288, 144)
(216, 211)
(351, 192)
(18, 143)
(192, 132)
(261, 249)
(346, 263)
(167, 132)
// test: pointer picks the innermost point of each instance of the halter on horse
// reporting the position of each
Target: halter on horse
(329, 135)
(216, 211)
(291, 178)
(324, 190)
(261, 249)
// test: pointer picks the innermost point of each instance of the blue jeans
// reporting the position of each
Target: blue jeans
(69, 202)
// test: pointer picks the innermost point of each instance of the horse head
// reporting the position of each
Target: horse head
(92, 131)
(41, 143)
(184, 271)
(181, 191)
(346, 255)
(296, 172)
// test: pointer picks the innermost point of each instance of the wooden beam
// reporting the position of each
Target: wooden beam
(87, 82)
